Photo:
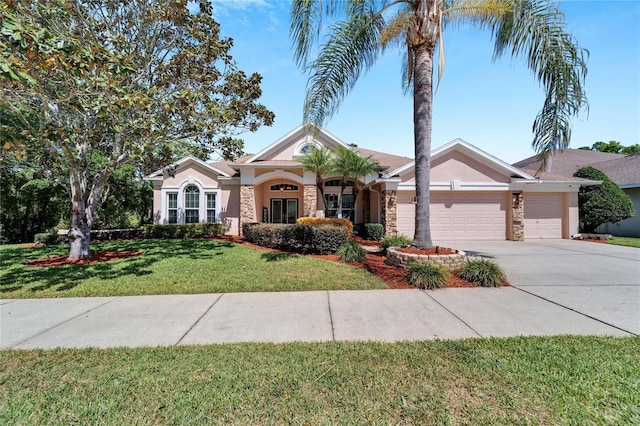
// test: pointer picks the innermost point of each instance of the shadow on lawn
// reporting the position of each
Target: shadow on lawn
(277, 256)
(17, 275)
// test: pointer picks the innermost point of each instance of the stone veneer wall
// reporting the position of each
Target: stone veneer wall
(517, 216)
(451, 262)
(247, 205)
(310, 200)
(389, 212)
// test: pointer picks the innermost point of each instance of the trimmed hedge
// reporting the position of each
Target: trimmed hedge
(370, 231)
(326, 221)
(49, 238)
(300, 238)
(117, 234)
(190, 230)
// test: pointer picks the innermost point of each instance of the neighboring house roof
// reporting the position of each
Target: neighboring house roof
(386, 161)
(554, 177)
(623, 170)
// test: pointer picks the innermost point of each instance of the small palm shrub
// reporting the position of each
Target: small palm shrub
(426, 275)
(351, 252)
(483, 272)
(395, 241)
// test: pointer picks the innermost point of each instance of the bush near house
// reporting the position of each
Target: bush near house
(427, 276)
(370, 231)
(300, 238)
(395, 241)
(190, 230)
(599, 204)
(327, 221)
(351, 252)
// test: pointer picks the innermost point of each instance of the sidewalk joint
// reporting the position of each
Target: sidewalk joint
(199, 319)
(333, 330)
(574, 310)
(448, 310)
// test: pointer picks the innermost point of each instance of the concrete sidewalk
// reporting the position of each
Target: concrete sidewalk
(314, 316)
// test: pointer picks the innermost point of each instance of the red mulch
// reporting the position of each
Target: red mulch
(96, 257)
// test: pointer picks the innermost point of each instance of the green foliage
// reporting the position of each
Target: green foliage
(130, 81)
(351, 252)
(426, 275)
(300, 238)
(372, 231)
(117, 234)
(613, 147)
(397, 240)
(483, 272)
(48, 238)
(189, 230)
(600, 204)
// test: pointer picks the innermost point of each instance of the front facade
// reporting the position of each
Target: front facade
(474, 196)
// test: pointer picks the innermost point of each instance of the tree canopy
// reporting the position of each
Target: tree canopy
(613, 147)
(131, 81)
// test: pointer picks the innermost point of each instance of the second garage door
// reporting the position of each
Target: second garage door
(542, 215)
(458, 215)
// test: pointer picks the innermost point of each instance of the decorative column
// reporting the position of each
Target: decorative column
(366, 206)
(389, 212)
(517, 216)
(310, 200)
(247, 205)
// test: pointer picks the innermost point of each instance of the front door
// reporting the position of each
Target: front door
(284, 210)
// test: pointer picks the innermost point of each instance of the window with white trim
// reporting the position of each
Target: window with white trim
(192, 204)
(172, 207)
(211, 207)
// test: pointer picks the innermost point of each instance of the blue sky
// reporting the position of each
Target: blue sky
(489, 104)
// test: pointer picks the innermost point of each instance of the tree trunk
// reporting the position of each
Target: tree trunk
(422, 116)
(79, 233)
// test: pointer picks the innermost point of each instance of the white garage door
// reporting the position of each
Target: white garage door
(459, 215)
(542, 215)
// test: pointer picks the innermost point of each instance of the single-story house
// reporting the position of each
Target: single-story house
(623, 170)
(474, 195)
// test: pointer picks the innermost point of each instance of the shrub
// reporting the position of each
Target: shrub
(426, 275)
(482, 272)
(189, 230)
(599, 204)
(301, 238)
(48, 238)
(326, 221)
(395, 241)
(351, 252)
(117, 234)
(371, 231)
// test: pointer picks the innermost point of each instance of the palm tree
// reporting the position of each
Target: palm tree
(318, 161)
(533, 29)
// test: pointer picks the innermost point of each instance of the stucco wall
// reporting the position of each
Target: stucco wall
(456, 165)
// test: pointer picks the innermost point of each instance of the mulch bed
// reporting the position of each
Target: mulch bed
(96, 257)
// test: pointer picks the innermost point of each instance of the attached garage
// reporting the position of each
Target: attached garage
(458, 215)
(542, 215)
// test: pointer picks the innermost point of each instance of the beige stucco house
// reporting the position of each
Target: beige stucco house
(474, 195)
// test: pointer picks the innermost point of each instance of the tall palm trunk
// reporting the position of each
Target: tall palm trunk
(422, 116)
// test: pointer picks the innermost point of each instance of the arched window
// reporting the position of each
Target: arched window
(192, 204)
(284, 187)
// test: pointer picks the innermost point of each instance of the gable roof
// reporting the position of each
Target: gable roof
(159, 174)
(623, 171)
(473, 152)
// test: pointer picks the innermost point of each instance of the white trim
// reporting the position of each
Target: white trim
(277, 174)
(470, 150)
(202, 206)
(159, 174)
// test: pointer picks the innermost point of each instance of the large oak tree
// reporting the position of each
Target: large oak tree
(131, 80)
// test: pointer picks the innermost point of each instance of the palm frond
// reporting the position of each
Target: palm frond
(306, 25)
(353, 46)
(395, 31)
(535, 30)
(482, 13)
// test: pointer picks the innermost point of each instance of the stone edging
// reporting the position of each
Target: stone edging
(451, 262)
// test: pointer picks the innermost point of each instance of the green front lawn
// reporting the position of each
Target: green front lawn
(625, 241)
(532, 380)
(174, 267)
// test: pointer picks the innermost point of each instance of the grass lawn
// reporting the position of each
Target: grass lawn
(528, 380)
(625, 241)
(174, 267)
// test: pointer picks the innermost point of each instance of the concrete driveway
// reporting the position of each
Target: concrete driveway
(600, 281)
